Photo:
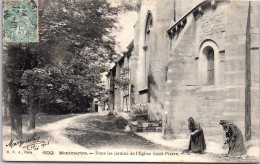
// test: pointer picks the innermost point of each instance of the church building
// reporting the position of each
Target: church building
(198, 59)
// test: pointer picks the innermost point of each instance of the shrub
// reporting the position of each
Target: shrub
(139, 110)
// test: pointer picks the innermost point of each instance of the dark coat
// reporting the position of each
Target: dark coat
(235, 140)
(197, 141)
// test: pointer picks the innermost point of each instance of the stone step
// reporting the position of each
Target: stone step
(146, 127)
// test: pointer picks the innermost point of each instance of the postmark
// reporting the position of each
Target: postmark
(20, 21)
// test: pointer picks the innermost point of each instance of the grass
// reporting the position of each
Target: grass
(41, 119)
(106, 131)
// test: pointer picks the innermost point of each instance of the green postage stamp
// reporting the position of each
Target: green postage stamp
(20, 21)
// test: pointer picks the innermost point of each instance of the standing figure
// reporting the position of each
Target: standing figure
(234, 139)
(197, 142)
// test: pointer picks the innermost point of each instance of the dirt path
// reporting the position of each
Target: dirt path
(94, 132)
(56, 131)
(106, 132)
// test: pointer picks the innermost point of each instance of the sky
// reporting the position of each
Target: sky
(126, 34)
(126, 22)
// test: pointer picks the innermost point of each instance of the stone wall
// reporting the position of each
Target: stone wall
(169, 74)
(182, 7)
(210, 32)
(180, 100)
(152, 53)
(226, 30)
(118, 94)
(235, 63)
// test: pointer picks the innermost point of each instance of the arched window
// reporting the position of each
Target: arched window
(209, 54)
(149, 23)
(208, 64)
(146, 47)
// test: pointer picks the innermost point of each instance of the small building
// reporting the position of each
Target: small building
(119, 82)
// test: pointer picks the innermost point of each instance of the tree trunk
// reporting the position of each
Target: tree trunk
(15, 114)
(6, 101)
(31, 113)
(126, 99)
(31, 121)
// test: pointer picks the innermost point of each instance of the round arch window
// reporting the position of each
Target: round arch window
(208, 64)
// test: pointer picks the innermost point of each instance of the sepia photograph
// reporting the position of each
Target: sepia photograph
(130, 81)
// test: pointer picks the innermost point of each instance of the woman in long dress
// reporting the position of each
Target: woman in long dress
(197, 141)
(234, 139)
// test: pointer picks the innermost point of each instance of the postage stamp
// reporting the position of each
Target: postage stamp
(20, 21)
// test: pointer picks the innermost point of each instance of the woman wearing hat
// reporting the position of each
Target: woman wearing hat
(234, 139)
(197, 142)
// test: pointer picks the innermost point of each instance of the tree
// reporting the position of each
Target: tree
(74, 25)
(15, 61)
(63, 70)
(35, 88)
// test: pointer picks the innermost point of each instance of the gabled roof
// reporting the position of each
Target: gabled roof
(120, 60)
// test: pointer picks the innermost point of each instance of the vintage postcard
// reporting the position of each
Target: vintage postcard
(130, 80)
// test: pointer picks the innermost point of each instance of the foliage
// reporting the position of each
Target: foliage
(139, 110)
(74, 25)
(63, 71)
(123, 79)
